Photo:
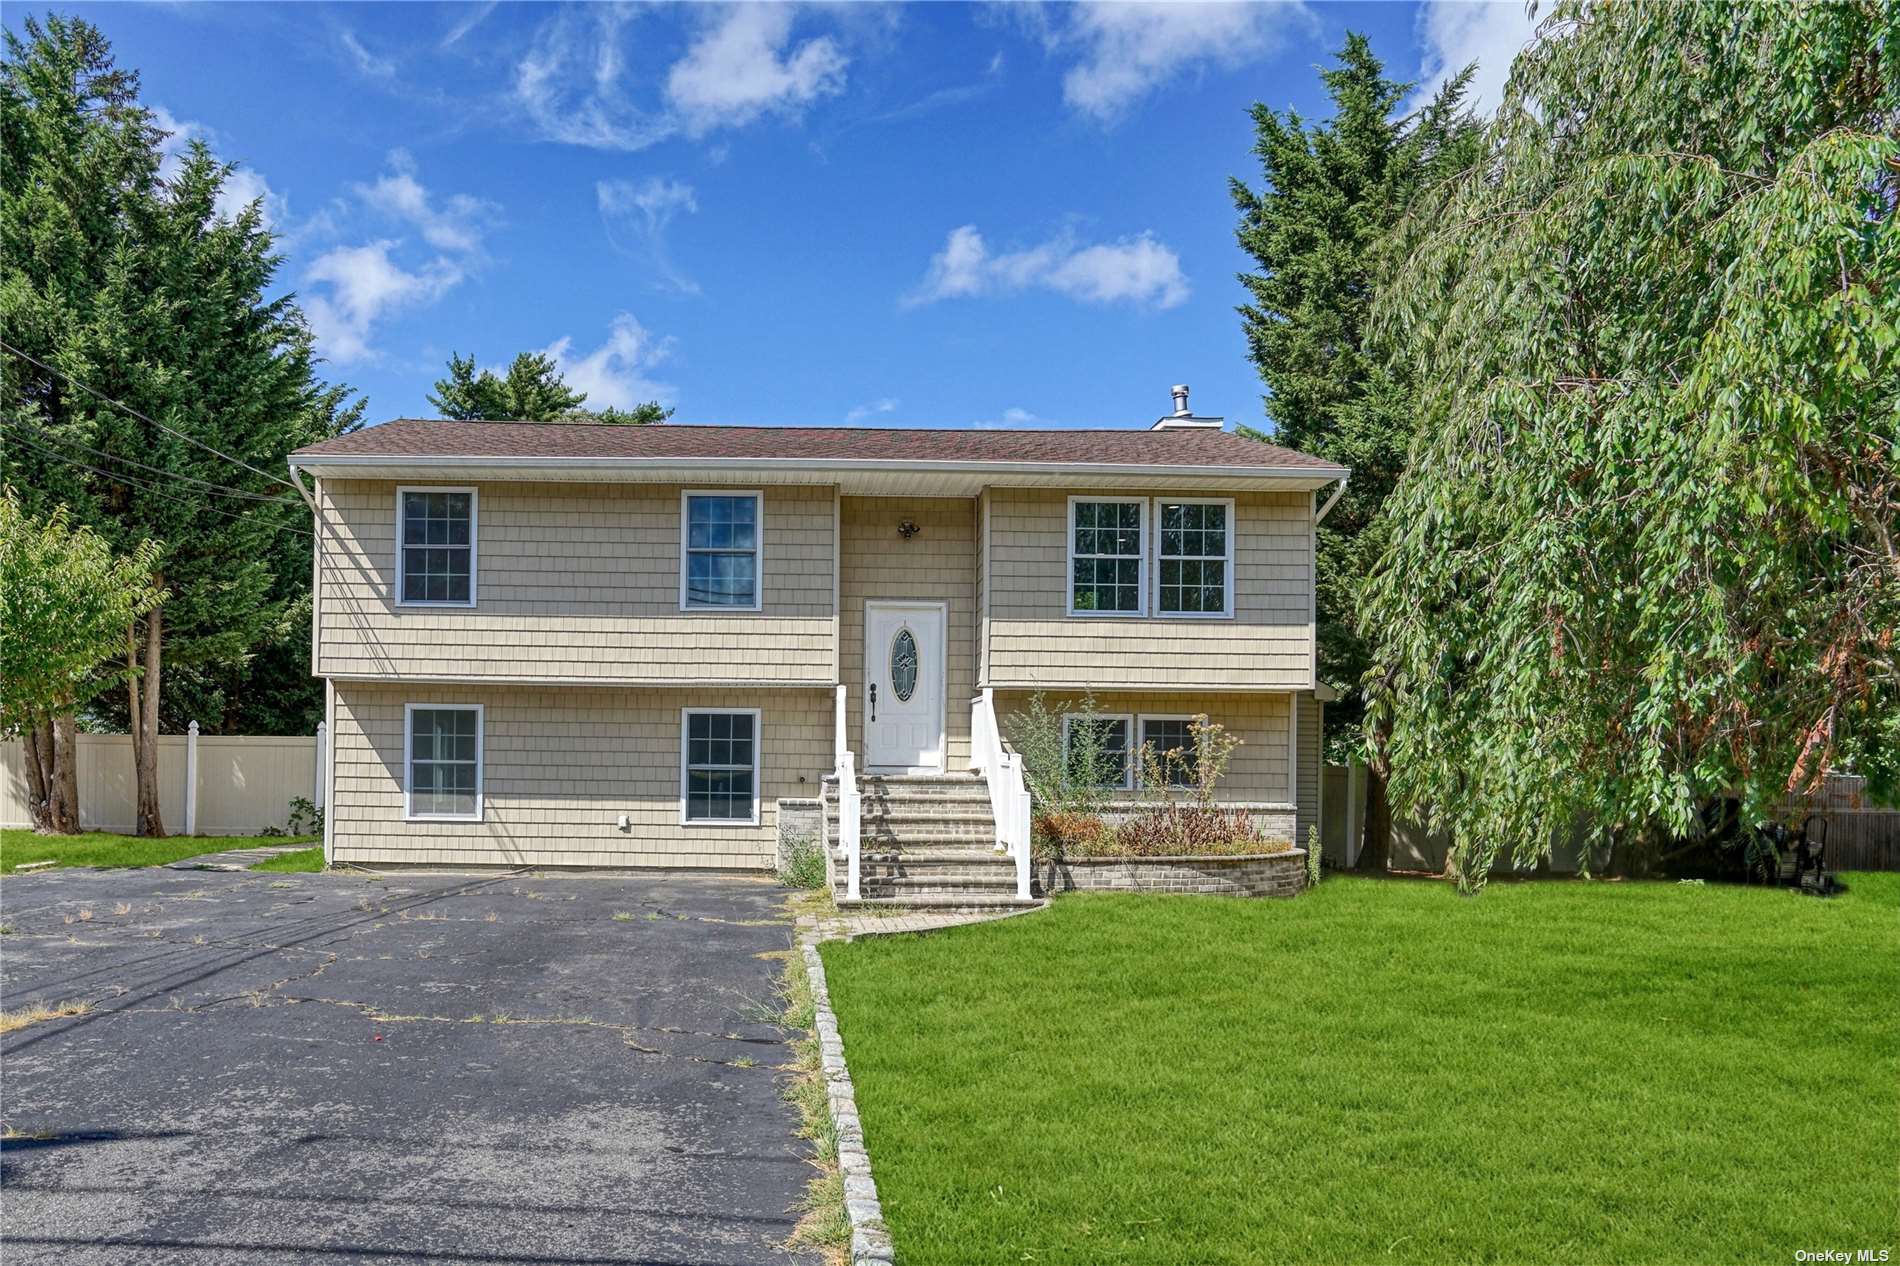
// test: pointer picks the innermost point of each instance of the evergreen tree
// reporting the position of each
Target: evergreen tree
(151, 384)
(532, 391)
(1646, 552)
(1331, 194)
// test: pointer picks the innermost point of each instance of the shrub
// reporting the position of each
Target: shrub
(1182, 830)
(305, 817)
(1058, 834)
(1312, 856)
(1058, 778)
(804, 865)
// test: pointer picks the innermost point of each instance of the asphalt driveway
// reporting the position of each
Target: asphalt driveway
(434, 1068)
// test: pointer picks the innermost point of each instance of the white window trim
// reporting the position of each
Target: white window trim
(758, 764)
(1141, 572)
(474, 519)
(481, 761)
(1128, 765)
(1141, 725)
(758, 551)
(1227, 590)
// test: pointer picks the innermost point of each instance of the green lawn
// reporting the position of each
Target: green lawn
(302, 861)
(1384, 1071)
(98, 848)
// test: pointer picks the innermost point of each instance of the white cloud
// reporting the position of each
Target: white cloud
(1456, 33)
(1139, 270)
(614, 375)
(356, 287)
(457, 225)
(1011, 418)
(741, 67)
(575, 84)
(365, 285)
(637, 216)
(568, 84)
(1129, 50)
(242, 187)
(472, 17)
(876, 408)
(366, 62)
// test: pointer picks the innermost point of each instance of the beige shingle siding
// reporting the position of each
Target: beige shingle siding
(559, 768)
(1309, 738)
(575, 581)
(1267, 645)
(1256, 773)
(936, 565)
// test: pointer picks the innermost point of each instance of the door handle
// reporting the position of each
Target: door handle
(874, 701)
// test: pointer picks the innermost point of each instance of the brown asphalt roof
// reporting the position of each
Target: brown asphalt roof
(419, 437)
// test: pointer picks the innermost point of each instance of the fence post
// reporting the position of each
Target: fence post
(191, 779)
(1355, 809)
(323, 743)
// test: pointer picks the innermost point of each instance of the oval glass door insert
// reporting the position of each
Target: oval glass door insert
(903, 665)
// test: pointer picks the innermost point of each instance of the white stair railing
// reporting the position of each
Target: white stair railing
(1002, 771)
(850, 808)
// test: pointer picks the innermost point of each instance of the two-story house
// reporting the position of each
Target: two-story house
(560, 645)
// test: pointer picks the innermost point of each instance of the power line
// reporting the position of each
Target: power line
(189, 439)
(26, 424)
(153, 490)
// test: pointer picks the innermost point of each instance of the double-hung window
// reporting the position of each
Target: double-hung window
(719, 550)
(1194, 547)
(719, 766)
(1171, 740)
(442, 762)
(1107, 556)
(435, 547)
(1103, 741)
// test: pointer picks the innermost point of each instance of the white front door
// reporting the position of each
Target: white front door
(903, 687)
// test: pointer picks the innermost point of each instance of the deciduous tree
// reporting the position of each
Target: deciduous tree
(1646, 551)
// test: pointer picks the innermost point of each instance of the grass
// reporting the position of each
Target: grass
(101, 848)
(303, 861)
(34, 1013)
(1384, 1071)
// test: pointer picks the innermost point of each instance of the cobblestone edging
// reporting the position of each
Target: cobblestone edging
(870, 1242)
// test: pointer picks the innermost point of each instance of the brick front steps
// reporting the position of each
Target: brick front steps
(925, 843)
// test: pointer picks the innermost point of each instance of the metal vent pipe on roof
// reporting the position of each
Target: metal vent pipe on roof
(1180, 391)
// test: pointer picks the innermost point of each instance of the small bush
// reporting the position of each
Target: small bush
(1185, 830)
(1058, 834)
(804, 864)
(305, 817)
(1312, 856)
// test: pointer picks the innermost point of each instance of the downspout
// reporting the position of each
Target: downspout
(1337, 493)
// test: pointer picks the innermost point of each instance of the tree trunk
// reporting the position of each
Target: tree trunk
(36, 740)
(1375, 849)
(64, 784)
(144, 724)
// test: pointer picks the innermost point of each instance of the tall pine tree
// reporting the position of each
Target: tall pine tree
(1331, 195)
(127, 297)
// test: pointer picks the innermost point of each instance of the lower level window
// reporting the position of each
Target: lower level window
(1171, 742)
(1101, 742)
(720, 778)
(443, 746)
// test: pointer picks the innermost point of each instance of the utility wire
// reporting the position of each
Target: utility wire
(189, 439)
(25, 424)
(154, 490)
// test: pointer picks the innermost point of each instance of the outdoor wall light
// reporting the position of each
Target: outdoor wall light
(907, 528)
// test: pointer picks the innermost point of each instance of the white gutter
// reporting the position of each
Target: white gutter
(742, 465)
(1338, 492)
(303, 492)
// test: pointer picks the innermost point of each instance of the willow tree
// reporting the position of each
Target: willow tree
(1644, 552)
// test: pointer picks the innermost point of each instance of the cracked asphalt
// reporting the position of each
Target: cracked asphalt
(437, 1068)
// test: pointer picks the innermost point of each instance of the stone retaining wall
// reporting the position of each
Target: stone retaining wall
(1251, 875)
(798, 821)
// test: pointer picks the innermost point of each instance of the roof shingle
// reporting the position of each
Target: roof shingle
(420, 437)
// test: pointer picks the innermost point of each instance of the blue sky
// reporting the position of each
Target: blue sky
(931, 215)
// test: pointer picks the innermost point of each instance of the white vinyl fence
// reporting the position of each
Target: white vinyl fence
(208, 784)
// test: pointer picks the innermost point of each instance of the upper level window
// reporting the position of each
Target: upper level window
(719, 550)
(442, 762)
(1106, 555)
(1194, 545)
(719, 772)
(435, 547)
